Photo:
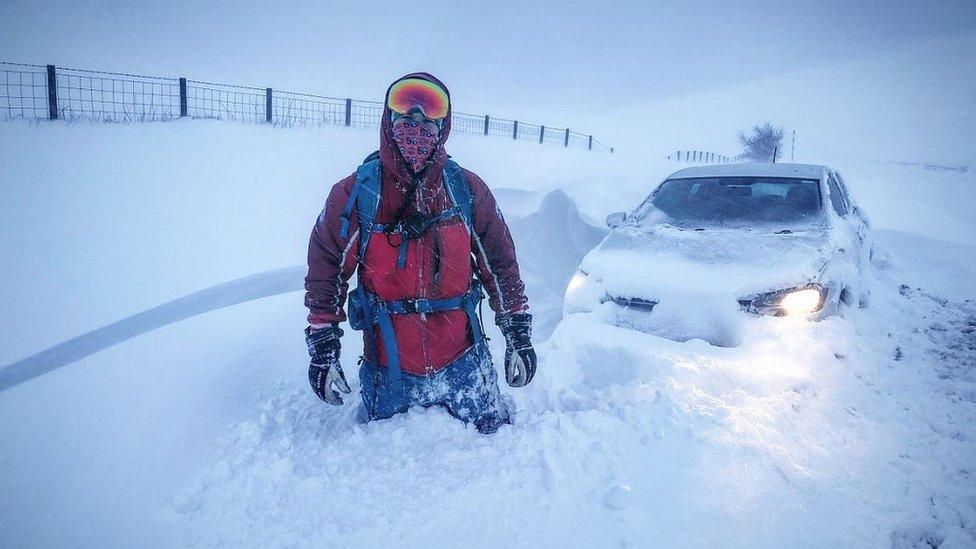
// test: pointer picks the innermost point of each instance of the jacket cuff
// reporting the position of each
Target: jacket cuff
(317, 320)
(523, 308)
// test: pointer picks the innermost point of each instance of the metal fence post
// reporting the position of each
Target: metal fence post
(348, 112)
(486, 124)
(542, 134)
(267, 105)
(590, 146)
(52, 93)
(515, 130)
(182, 97)
(566, 139)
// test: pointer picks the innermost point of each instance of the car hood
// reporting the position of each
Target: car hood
(662, 261)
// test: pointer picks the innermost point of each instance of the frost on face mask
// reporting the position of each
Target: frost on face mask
(416, 140)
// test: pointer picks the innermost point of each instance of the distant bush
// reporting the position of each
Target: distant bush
(763, 144)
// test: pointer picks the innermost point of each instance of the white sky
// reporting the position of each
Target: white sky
(560, 63)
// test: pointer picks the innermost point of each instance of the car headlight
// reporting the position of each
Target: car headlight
(793, 302)
(801, 302)
(575, 283)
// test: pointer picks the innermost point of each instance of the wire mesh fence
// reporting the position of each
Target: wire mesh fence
(703, 157)
(24, 91)
(462, 122)
(224, 102)
(98, 96)
(303, 109)
(40, 92)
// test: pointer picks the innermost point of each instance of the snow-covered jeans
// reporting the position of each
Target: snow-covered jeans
(467, 388)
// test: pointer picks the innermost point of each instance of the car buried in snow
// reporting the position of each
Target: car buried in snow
(750, 239)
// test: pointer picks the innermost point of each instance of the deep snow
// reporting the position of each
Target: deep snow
(854, 431)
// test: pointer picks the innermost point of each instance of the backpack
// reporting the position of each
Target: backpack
(366, 310)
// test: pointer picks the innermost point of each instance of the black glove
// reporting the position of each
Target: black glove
(520, 359)
(324, 371)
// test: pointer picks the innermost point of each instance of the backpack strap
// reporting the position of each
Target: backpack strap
(367, 176)
(463, 199)
(366, 194)
(460, 192)
(347, 210)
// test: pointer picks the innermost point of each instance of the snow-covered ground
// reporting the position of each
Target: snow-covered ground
(855, 431)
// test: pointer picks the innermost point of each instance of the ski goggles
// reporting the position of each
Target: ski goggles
(410, 94)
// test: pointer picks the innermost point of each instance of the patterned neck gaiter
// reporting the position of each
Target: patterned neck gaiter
(416, 140)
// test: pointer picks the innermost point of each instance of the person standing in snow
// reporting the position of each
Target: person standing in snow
(424, 236)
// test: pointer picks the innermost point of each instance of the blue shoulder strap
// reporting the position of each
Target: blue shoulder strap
(365, 196)
(460, 192)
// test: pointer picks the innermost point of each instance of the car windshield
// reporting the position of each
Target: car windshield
(734, 201)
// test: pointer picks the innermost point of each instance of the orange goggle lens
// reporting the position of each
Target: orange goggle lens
(414, 92)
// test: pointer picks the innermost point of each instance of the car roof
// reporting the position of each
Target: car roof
(752, 169)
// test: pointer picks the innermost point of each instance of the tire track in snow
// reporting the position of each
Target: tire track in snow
(248, 288)
(555, 237)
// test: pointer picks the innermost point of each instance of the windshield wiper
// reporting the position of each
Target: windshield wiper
(784, 231)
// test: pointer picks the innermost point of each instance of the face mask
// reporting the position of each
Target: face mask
(415, 139)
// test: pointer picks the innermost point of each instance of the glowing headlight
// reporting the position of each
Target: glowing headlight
(576, 282)
(795, 301)
(801, 302)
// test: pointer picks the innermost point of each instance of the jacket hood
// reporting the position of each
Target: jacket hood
(390, 157)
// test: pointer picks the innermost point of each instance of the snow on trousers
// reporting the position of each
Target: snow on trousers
(467, 388)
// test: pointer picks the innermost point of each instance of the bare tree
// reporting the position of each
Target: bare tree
(763, 144)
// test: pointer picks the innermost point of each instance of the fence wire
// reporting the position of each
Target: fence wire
(26, 92)
(365, 113)
(467, 123)
(302, 109)
(114, 98)
(703, 157)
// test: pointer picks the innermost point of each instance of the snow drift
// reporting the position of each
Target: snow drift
(854, 431)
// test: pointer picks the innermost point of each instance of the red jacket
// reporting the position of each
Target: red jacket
(428, 342)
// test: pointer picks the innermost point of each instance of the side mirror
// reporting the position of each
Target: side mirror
(616, 219)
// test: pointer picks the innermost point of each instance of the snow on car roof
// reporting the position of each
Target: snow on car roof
(808, 171)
